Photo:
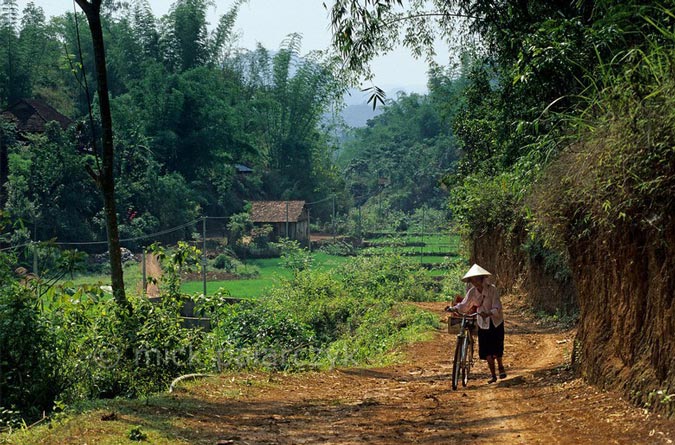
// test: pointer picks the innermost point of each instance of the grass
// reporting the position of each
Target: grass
(271, 270)
(428, 240)
(133, 277)
(160, 418)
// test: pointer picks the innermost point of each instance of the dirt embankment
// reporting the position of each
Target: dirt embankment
(515, 270)
(626, 334)
(623, 283)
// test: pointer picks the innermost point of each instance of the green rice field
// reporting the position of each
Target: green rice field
(271, 269)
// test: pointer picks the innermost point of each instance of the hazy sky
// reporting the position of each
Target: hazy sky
(270, 21)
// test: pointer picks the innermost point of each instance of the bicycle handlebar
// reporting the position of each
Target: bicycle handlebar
(461, 314)
(467, 315)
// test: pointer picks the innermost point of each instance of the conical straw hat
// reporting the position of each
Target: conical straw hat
(476, 271)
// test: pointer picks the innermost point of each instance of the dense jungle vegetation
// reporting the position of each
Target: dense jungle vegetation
(549, 146)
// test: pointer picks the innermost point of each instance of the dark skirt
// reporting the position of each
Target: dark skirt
(491, 341)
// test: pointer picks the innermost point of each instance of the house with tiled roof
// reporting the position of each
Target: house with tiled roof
(28, 116)
(288, 219)
(32, 116)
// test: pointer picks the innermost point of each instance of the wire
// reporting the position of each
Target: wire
(137, 238)
(95, 243)
(16, 247)
(321, 200)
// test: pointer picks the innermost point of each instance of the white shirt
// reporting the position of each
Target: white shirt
(485, 301)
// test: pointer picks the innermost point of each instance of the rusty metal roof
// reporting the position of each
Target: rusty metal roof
(275, 211)
(31, 116)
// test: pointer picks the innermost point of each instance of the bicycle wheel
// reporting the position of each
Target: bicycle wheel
(457, 363)
(467, 355)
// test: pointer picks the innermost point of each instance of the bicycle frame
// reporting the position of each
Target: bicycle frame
(463, 359)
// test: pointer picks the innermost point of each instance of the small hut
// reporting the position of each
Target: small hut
(289, 219)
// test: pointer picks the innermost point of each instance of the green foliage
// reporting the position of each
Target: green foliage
(261, 236)
(44, 182)
(28, 380)
(452, 280)
(105, 352)
(483, 203)
(136, 434)
(186, 108)
(255, 335)
(620, 171)
(293, 256)
(77, 344)
(226, 261)
(238, 226)
(392, 275)
(322, 319)
(338, 248)
(396, 162)
(182, 258)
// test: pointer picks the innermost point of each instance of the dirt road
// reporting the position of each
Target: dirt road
(540, 402)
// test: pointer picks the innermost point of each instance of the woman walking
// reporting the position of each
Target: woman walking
(483, 298)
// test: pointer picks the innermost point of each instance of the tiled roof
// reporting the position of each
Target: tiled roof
(275, 211)
(32, 115)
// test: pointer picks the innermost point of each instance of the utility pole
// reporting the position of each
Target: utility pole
(334, 230)
(360, 228)
(4, 168)
(204, 253)
(287, 220)
(145, 274)
(309, 233)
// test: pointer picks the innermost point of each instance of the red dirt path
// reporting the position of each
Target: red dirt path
(539, 403)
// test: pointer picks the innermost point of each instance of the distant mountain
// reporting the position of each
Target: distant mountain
(358, 115)
(358, 111)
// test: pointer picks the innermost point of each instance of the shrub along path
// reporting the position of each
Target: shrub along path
(539, 403)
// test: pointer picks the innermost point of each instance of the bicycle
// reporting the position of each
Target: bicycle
(461, 365)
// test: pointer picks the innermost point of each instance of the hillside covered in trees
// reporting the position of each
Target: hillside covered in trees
(187, 108)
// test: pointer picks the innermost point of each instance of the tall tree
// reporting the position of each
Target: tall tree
(9, 18)
(104, 177)
(294, 93)
(185, 40)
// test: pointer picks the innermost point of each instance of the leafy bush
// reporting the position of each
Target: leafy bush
(29, 382)
(105, 352)
(323, 319)
(77, 344)
(389, 275)
(383, 327)
(255, 335)
(338, 248)
(226, 262)
(261, 236)
(294, 257)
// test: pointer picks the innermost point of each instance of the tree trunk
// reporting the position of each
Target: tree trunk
(4, 168)
(106, 180)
